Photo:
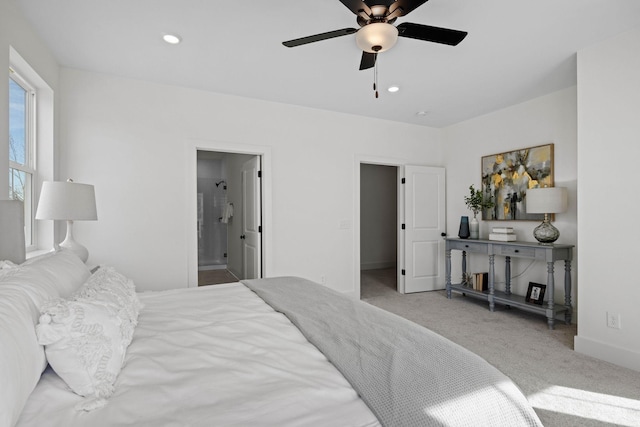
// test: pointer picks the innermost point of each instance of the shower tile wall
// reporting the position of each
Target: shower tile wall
(212, 196)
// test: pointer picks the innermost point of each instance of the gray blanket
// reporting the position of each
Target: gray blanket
(406, 374)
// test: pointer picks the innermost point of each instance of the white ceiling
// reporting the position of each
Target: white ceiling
(515, 50)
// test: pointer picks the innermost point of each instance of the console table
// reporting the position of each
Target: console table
(548, 253)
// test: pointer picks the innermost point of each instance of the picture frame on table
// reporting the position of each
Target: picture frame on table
(535, 293)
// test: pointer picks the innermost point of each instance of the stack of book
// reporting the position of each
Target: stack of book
(502, 234)
(480, 281)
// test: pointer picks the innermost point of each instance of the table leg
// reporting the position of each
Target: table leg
(492, 276)
(447, 271)
(550, 290)
(464, 265)
(567, 292)
(507, 275)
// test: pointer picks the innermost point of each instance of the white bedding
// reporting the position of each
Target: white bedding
(225, 359)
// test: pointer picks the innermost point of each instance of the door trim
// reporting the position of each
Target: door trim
(191, 147)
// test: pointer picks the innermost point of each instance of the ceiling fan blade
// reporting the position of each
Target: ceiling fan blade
(356, 5)
(431, 34)
(319, 37)
(368, 60)
(406, 5)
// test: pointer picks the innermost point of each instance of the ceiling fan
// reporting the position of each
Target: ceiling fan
(377, 34)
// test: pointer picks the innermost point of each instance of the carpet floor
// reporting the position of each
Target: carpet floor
(564, 387)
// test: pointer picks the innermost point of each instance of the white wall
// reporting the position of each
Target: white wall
(378, 216)
(128, 138)
(29, 54)
(609, 147)
(548, 119)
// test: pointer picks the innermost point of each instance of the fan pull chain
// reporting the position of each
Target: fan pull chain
(375, 79)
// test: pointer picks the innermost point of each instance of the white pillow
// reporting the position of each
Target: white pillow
(109, 286)
(84, 345)
(5, 264)
(53, 275)
(86, 337)
(64, 268)
(22, 359)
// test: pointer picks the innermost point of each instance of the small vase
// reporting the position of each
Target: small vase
(474, 228)
(463, 232)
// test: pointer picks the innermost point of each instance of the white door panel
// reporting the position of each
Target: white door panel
(424, 209)
(251, 219)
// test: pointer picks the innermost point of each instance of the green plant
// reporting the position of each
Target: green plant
(476, 202)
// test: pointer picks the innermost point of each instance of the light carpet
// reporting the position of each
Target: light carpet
(564, 387)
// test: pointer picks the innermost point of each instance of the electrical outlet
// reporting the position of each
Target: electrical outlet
(323, 280)
(613, 320)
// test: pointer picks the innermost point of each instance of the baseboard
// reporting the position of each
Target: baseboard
(212, 267)
(234, 272)
(608, 353)
(377, 265)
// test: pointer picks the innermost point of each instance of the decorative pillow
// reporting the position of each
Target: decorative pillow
(109, 286)
(84, 345)
(86, 337)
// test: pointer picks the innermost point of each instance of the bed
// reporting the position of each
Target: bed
(269, 352)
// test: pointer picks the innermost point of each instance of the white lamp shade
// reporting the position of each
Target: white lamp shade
(547, 200)
(69, 201)
(377, 34)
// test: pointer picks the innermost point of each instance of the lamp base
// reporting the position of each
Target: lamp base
(546, 233)
(70, 244)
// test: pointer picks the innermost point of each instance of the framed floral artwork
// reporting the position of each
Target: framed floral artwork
(506, 177)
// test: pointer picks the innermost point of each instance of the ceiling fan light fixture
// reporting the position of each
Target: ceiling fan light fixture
(377, 37)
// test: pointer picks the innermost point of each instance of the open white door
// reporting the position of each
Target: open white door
(251, 220)
(424, 210)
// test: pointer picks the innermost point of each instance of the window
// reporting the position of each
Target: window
(22, 147)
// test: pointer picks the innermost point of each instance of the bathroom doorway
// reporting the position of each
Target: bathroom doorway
(220, 216)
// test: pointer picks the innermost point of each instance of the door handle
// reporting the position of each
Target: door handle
(242, 237)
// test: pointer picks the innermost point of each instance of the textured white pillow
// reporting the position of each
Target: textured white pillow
(84, 345)
(86, 337)
(109, 286)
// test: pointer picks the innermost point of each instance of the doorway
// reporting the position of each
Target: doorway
(421, 223)
(228, 203)
(378, 230)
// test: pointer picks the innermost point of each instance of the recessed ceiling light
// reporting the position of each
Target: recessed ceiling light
(171, 38)
(393, 89)
(421, 113)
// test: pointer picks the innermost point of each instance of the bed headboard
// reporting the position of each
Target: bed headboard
(12, 231)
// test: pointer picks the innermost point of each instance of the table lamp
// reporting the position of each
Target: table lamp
(547, 200)
(68, 201)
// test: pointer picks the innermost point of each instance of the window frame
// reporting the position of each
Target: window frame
(29, 167)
